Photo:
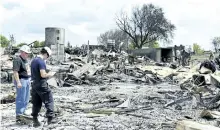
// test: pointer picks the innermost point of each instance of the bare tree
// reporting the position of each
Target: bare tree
(115, 34)
(146, 24)
(216, 43)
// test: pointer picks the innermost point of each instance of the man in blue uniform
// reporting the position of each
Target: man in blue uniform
(41, 93)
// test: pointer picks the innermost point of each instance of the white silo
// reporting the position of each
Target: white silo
(55, 39)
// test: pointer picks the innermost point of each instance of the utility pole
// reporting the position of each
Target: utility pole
(11, 43)
(88, 55)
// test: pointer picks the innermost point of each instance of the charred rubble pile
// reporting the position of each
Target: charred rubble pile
(6, 69)
(106, 69)
(204, 85)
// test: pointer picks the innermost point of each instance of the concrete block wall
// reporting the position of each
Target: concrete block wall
(155, 54)
(150, 52)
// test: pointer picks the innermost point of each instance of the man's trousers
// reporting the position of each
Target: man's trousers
(41, 93)
(22, 96)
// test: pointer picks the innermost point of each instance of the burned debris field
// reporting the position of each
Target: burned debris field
(106, 94)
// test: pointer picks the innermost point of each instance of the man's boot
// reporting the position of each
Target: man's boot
(36, 122)
(52, 120)
(20, 120)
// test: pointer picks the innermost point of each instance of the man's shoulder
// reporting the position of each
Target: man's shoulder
(17, 58)
(38, 60)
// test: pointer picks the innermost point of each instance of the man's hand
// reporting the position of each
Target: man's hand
(51, 74)
(19, 85)
(46, 75)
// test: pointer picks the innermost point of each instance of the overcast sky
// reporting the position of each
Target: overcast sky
(197, 21)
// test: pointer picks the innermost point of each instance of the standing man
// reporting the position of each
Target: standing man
(178, 57)
(211, 56)
(22, 82)
(41, 93)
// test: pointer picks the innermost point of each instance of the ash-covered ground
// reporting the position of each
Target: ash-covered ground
(115, 106)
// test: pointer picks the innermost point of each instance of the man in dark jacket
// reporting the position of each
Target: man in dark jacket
(217, 61)
(41, 93)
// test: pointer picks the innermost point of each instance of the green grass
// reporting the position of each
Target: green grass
(201, 57)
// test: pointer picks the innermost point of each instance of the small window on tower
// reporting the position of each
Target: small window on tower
(58, 38)
(58, 31)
